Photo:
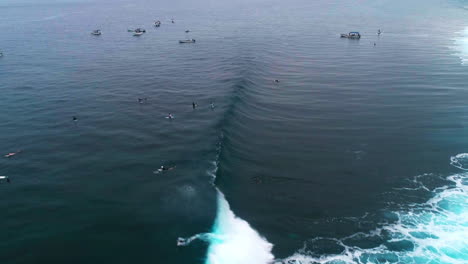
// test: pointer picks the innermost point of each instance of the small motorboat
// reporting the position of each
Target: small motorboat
(96, 32)
(351, 35)
(187, 41)
(157, 23)
(139, 33)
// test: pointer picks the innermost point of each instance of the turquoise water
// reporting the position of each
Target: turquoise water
(355, 156)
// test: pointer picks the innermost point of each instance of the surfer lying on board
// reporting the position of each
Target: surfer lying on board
(6, 178)
(11, 154)
(163, 169)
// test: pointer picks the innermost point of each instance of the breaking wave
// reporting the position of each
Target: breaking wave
(431, 232)
(235, 241)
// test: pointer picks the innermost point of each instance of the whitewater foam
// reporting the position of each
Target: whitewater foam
(432, 232)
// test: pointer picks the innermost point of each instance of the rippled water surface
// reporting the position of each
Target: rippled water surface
(354, 156)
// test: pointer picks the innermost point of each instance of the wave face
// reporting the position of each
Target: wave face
(234, 241)
(432, 232)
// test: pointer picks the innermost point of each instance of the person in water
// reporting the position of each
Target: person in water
(140, 100)
(212, 105)
(170, 116)
(276, 81)
(181, 242)
(75, 118)
(194, 105)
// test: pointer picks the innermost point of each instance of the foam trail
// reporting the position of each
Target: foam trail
(235, 241)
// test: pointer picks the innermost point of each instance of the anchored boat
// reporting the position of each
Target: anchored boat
(351, 35)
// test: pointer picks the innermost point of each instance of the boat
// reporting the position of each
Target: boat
(139, 33)
(137, 30)
(187, 41)
(96, 32)
(157, 23)
(187, 31)
(351, 35)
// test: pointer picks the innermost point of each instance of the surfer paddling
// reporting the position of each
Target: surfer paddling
(11, 154)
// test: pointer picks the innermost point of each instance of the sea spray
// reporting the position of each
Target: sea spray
(235, 240)
(232, 240)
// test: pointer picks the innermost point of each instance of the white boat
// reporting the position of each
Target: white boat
(96, 32)
(351, 35)
(187, 41)
(139, 33)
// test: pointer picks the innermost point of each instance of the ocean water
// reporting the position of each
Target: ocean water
(357, 155)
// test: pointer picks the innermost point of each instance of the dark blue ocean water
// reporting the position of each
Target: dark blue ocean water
(355, 156)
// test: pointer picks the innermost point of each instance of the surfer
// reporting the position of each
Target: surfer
(140, 100)
(194, 105)
(276, 81)
(170, 116)
(6, 178)
(75, 118)
(181, 242)
(11, 154)
(163, 168)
